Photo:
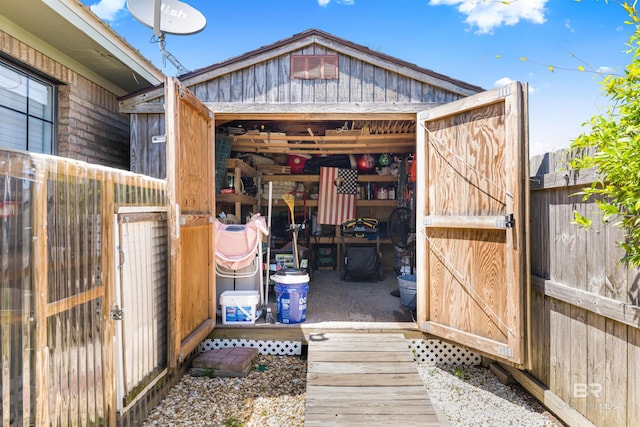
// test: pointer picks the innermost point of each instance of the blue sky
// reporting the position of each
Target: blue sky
(482, 42)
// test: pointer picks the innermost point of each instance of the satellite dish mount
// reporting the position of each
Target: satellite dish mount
(168, 16)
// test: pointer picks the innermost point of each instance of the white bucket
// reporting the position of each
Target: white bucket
(239, 307)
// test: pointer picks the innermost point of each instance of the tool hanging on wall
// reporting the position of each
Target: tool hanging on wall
(290, 200)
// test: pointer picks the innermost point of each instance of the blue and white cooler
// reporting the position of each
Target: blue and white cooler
(291, 286)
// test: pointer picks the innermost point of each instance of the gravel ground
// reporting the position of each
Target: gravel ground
(273, 394)
(473, 396)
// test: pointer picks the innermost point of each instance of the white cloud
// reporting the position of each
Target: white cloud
(487, 15)
(108, 9)
(324, 3)
(502, 82)
(567, 25)
(506, 80)
(604, 70)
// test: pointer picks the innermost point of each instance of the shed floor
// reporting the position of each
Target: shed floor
(332, 302)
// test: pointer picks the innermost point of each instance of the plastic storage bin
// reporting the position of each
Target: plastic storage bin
(239, 307)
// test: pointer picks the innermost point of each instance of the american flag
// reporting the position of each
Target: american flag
(333, 207)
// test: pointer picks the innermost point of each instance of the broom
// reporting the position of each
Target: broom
(290, 200)
(268, 316)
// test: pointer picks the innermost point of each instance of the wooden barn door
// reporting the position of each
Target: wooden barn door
(190, 143)
(472, 221)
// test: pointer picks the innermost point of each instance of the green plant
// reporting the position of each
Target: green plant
(612, 147)
(232, 422)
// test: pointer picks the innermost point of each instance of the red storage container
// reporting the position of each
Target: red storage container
(296, 163)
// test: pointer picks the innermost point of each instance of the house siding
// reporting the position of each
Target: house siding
(89, 125)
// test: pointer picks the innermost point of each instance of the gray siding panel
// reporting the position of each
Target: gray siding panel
(236, 87)
(404, 89)
(367, 82)
(249, 81)
(260, 86)
(283, 81)
(358, 81)
(271, 81)
(344, 79)
(224, 88)
(147, 158)
(392, 87)
(416, 90)
(379, 85)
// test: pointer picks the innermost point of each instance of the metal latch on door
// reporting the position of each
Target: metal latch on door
(116, 313)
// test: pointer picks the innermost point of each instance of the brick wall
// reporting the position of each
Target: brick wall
(89, 126)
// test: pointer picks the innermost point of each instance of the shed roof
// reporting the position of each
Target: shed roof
(315, 36)
(318, 37)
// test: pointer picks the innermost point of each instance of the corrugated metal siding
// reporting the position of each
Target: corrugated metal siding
(144, 298)
(56, 287)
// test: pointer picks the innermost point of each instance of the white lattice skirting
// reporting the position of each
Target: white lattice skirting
(278, 348)
(441, 353)
(424, 351)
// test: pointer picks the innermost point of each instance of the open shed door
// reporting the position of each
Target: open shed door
(472, 222)
(190, 142)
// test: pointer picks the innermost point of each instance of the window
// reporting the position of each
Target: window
(314, 67)
(26, 111)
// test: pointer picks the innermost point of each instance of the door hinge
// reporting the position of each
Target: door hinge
(116, 313)
(505, 351)
(509, 221)
(120, 256)
(424, 326)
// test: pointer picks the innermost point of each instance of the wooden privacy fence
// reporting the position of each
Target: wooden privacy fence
(585, 314)
(74, 239)
(58, 296)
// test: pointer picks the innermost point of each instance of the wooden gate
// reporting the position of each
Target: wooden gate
(140, 300)
(191, 190)
(472, 214)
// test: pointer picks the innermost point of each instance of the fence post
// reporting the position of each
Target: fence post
(40, 266)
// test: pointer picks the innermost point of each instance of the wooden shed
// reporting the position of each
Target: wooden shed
(315, 93)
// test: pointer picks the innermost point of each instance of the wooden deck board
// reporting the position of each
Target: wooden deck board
(358, 367)
(365, 379)
(352, 356)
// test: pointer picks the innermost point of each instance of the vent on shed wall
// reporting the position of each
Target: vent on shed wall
(314, 67)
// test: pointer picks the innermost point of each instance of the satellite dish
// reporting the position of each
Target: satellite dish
(174, 17)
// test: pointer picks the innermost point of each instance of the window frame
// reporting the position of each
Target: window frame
(33, 75)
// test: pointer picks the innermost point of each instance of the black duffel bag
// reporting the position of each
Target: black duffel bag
(313, 165)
